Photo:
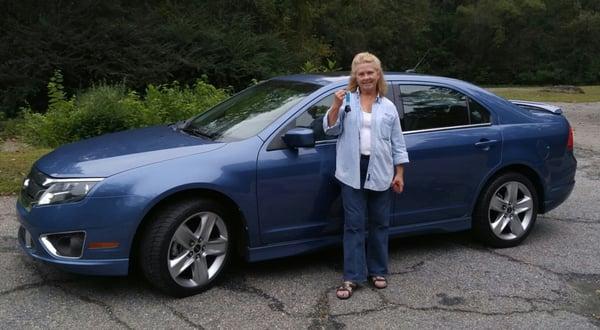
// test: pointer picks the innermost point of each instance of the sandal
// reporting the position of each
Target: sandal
(345, 290)
(379, 282)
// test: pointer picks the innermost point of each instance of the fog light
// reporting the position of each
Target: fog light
(69, 245)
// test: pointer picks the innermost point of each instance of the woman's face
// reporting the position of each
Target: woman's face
(367, 77)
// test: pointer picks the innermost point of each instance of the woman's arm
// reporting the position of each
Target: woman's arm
(332, 121)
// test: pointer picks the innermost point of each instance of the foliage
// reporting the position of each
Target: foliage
(525, 41)
(172, 102)
(142, 43)
(109, 108)
(309, 66)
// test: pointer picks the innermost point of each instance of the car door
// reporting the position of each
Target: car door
(297, 194)
(452, 145)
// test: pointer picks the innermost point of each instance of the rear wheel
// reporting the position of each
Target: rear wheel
(506, 211)
(186, 247)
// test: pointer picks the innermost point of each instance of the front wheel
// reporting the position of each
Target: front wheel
(506, 211)
(186, 246)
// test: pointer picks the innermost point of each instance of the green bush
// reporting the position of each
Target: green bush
(171, 102)
(109, 108)
(9, 128)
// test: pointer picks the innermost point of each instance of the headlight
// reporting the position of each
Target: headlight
(66, 190)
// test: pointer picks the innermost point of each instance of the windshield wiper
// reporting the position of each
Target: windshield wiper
(196, 132)
(180, 124)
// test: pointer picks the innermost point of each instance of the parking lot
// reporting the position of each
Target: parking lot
(552, 280)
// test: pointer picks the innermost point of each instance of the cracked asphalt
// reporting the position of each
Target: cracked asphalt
(552, 280)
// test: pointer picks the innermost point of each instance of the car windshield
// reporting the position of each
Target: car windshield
(249, 112)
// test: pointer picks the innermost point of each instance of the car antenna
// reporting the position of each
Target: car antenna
(413, 70)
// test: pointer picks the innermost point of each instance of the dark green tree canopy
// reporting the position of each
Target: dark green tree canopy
(235, 42)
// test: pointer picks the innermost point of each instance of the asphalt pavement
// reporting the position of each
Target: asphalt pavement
(551, 281)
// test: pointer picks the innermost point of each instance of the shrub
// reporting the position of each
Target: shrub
(171, 102)
(107, 108)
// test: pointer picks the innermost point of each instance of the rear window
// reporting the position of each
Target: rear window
(429, 107)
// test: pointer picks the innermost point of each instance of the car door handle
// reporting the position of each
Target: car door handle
(485, 144)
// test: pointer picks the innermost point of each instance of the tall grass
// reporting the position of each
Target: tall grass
(591, 94)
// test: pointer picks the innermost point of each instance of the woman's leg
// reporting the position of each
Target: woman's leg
(379, 205)
(355, 203)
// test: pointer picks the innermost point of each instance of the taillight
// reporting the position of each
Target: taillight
(570, 140)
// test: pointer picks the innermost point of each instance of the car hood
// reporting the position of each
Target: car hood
(109, 154)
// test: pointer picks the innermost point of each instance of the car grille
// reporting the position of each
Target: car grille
(31, 193)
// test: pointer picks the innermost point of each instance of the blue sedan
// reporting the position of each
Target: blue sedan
(254, 176)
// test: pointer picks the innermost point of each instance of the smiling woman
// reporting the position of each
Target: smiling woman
(369, 160)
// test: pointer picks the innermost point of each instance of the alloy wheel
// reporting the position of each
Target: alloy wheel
(510, 210)
(198, 249)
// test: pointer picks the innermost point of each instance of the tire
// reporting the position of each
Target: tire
(181, 253)
(506, 211)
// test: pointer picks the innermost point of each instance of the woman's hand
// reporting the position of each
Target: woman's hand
(338, 98)
(398, 184)
(398, 181)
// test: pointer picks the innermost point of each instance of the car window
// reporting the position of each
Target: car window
(250, 111)
(427, 107)
(313, 118)
(310, 118)
(477, 113)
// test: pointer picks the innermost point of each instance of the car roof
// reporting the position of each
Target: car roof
(328, 78)
(480, 94)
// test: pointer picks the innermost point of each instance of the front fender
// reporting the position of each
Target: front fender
(230, 171)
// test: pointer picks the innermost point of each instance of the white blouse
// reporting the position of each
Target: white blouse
(365, 134)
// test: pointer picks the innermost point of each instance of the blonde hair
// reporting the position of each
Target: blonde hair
(366, 57)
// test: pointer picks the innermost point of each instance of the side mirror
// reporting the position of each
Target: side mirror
(299, 137)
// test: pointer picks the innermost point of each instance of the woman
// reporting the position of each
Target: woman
(370, 154)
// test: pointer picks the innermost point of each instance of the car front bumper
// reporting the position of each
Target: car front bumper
(100, 219)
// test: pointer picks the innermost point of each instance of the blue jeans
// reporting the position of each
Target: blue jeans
(360, 205)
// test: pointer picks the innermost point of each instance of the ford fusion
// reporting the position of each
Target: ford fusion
(254, 177)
